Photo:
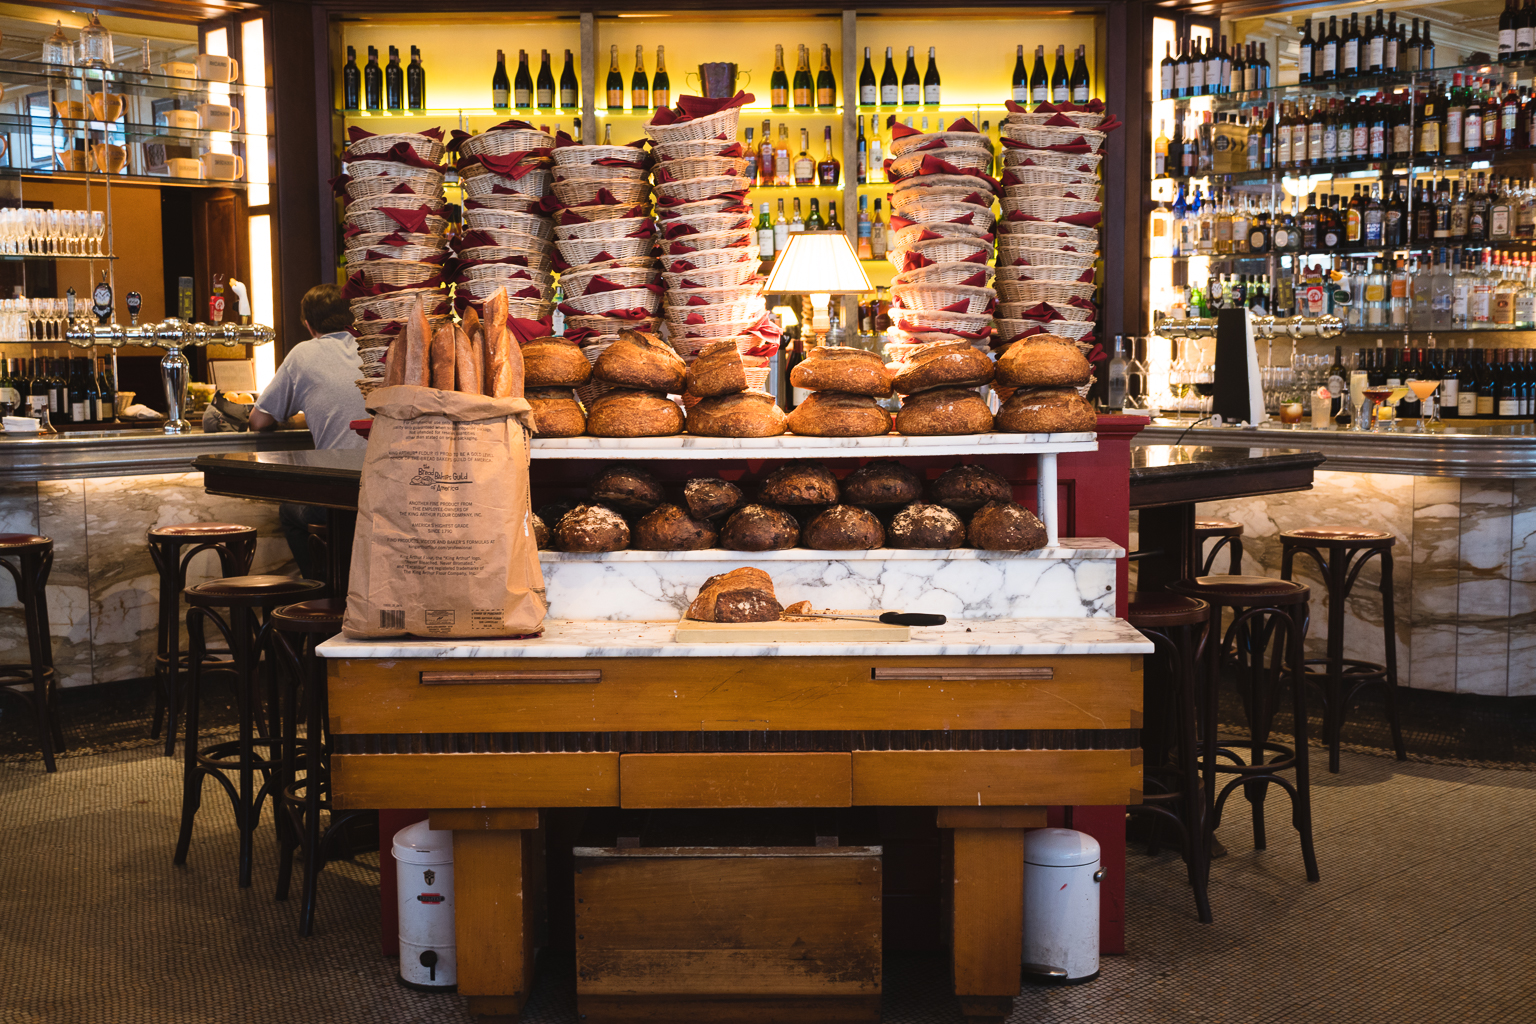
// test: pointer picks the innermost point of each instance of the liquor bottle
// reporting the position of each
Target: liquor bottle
(861, 162)
(869, 91)
(1160, 153)
(1507, 22)
(767, 167)
(639, 83)
(1040, 80)
(797, 222)
(814, 222)
(615, 84)
(1309, 225)
(544, 91)
(661, 84)
(749, 154)
(783, 166)
(1307, 54)
(890, 85)
(416, 82)
(1330, 48)
(373, 81)
(829, 170)
(877, 234)
(1338, 376)
(1461, 211)
(826, 82)
(570, 88)
(1501, 220)
(1525, 212)
(765, 235)
(107, 387)
(804, 87)
(876, 151)
(780, 230)
(931, 80)
(832, 224)
(1060, 80)
(1354, 220)
(865, 251)
(1082, 87)
(911, 83)
(351, 81)
(805, 167)
(1525, 302)
(394, 81)
(1021, 76)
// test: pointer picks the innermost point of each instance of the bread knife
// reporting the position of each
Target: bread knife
(888, 618)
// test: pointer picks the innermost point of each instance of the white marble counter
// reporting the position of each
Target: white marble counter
(1069, 549)
(687, 446)
(568, 638)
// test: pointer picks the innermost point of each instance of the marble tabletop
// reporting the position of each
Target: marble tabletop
(572, 638)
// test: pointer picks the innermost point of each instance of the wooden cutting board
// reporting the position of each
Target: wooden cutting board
(790, 630)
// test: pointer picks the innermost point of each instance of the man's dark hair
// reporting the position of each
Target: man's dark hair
(325, 310)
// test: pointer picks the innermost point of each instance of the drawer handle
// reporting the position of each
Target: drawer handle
(579, 675)
(962, 674)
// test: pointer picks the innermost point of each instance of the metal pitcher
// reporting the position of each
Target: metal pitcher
(717, 80)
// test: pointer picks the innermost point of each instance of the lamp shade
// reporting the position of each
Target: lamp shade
(820, 262)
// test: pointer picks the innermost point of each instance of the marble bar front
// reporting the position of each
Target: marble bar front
(1461, 503)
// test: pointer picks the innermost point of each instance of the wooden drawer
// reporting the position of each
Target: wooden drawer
(991, 778)
(475, 780)
(736, 780)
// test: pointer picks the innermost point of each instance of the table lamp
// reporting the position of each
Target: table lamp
(821, 264)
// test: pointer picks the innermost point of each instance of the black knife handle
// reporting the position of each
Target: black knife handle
(911, 619)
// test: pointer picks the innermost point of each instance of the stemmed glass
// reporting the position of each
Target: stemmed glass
(1424, 391)
(98, 229)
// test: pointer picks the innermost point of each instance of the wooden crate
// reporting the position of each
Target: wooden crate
(727, 933)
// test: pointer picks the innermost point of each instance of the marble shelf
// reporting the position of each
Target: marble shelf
(568, 638)
(1068, 549)
(686, 446)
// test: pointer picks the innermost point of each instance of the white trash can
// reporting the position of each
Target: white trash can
(424, 888)
(1061, 905)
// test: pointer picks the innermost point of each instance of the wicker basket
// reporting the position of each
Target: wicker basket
(1082, 163)
(1044, 136)
(920, 197)
(704, 223)
(574, 282)
(506, 141)
(515, 243)
(603, 303)
(433, 201)
(509, 220)
(511, 273)
(713, 259)
(424, 146)
(935, 320)
(584, 191)
(711, 126)
(1008, 329)
(399, 305)
(701, 167)
(369, 332)
(1084, 118)
(907, 236)
(745, 310)
(683, 298)
(602, 211)
(1050, 209)
(415, 253)
(681, 333)
(1070, 314)
(374, 222)
(367, 188)
(603, 172)
(618, 228)
(538, 260)
(1048, 234)
(398, 273)
(939, 250)
(514, 203)
(944, 274)
(389, 169)
(576, 251)
(1054, 292)
(939, 213)
(1051, 176)
(969, 159)
(626, 263)
(1083, 190)
(484, 185)
(939, 296)
(376, 238)
(611, 326)
(709, 240)
(696, 190)
(949, 140)
(730, 275)
(483, 288)
(689, 148)
(587, 156)
(679, 211)
(1042, 272)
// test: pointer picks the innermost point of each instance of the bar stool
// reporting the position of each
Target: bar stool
(1178, 626)
(29, 559)
(1269, 615)
(235, 546)
(320, 553)
(1228, 535)
(297, 630)
(1340, 555)
(236, 760)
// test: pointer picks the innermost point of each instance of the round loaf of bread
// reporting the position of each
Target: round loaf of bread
(741, 595)
(556, 412)
(626, 413)
(670, 528)
(799, 483)
(838, 414)
(1041, 361)
(709, 497)
(642, 361)
(717, 370)
(944, 364)
(881, 484)
(1047, 411)
(944, 411)
(629, 488)
(742, 414)
(554, 363)
(590, 528)
(552, 513)
(844, 528)
(925, 526)
(964, 489)
(540, 534)
(1004, 526)
(760, 528)
(854, 371)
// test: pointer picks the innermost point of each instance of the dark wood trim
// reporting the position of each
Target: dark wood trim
(1123, 46)
(1159, 493)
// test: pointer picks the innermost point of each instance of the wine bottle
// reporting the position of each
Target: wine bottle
(931, 81)
(765, 235)
(661, 84)
(1304, 61)
(869, 90)
(749, 154)
(1021, 79)
(108, 389)
(639, 84)
(911, 84)
(1039, 79)
(1081, 86)
(1508, 21)
(351, 82)
(778, 83)
(804, 87)
(890, 85)
(826, 81)
(1060, 88)
(615, 83)
(394, 81)
(501, 87)
(544, 92)
(522, 83)
(861, 165)
(570, 88)
(373, 81)
(814, 221)
(416, 82)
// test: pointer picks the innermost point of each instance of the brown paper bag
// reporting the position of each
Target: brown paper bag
(445, 544)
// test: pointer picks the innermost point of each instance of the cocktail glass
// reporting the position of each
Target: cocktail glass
(1424, 391)
(1291, 410)
(1358, 382)
(1377, 395)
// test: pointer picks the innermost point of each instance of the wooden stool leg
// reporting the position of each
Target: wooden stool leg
(31, 588)
(1301, 805)
(1333, 709)
(1196, 854)
(1389, 632)
(245, 700)
(987, 920)
(316, 769)
(281, 649)
(191, 774)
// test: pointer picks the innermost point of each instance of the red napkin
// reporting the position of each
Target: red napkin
(1093, 106)
(767, 332)
(563, 139)
(900, 130)
(1042, 311)
(509, 261)
(438, 257)
(735, 195)
(339, 184)
(357, 288)
(634, 313)
(460, 136)
(579, 334)
(525, 330)
(513, 165)
(414, 221)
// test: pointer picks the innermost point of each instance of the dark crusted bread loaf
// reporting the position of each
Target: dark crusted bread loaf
(717, 370)
(741, 595)
(1046, 411)
(1004, 526)
(627, 413)
(554, 363)
(760, 528)
(709, 497)
(964, 489)
(799, 483)
(642, 361)
(836, 414)
(844, 528)
(881, 484)
(631, 489)
(552, 513)
(925, 526)
(854, 371)
(1043, 360)
(944, 410)
(944, 364)
(743, 414)
(592, 528)
(556, 412)
(540, 534)
(670, 528)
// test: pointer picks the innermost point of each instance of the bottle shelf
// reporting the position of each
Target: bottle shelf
(1341, 88)
(17, 257)
(54, 174)
(117, 130)
(22, 75)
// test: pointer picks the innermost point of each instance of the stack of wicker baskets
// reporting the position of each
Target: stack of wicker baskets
(395, 237)
(705, 232)
(1049, 234)
(507, 238)
(609, 277)
(941, 237)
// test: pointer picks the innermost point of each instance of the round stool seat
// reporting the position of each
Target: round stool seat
(249, 591)
(320, 616)
(1160, 609)
(200, 530)
(1218, 528)
(1349, 538)
(19, 541)
(1244, 590)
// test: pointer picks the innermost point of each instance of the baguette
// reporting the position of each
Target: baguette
(498, 343)
(417, 338)
(476, 334)
(394, 362)
(466, 365)
(442, 358)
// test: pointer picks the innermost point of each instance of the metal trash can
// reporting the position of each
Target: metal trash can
(1061, 906)
(424, 888)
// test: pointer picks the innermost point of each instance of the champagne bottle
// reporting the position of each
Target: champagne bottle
(661, 85)
(544, 92)
(826, 81)
(500, 86)
(416, 82)
(778, 84)
(911, 83)
(570, 87)
(351, 82)
(890, 85)
(931, 81)
(869, 90)
(615, 83)
(805, 86)
(639, 84)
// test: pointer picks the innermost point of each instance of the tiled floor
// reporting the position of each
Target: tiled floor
(1426, 913)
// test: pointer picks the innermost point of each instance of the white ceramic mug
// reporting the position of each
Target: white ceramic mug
(184, 167)
(214, 67)
(222, 166)
(219, 117)
(182, 119)
(178, 69)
